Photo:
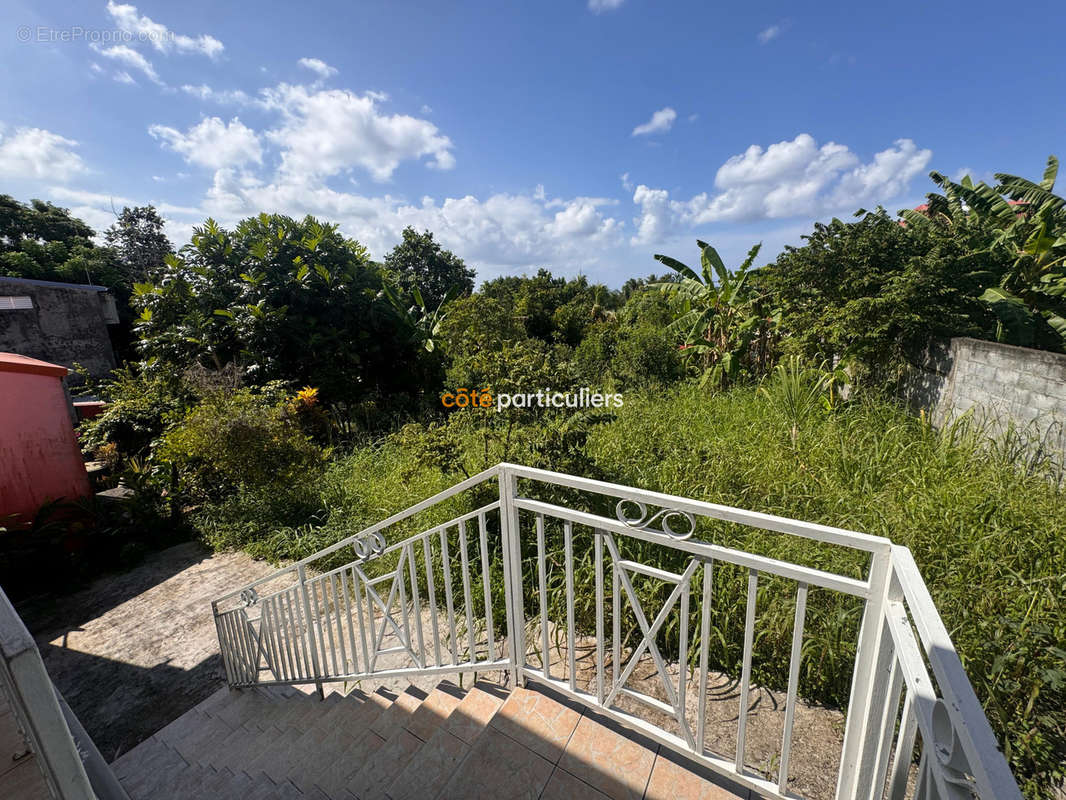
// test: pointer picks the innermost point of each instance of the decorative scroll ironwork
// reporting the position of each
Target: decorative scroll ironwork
(645, 521)
(370, 546)
(249, 597)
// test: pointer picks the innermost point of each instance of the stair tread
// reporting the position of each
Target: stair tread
(371, 782)
(435, 762)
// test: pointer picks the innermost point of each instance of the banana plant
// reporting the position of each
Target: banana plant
(718, 316)
(1029, 221)
(423, 323)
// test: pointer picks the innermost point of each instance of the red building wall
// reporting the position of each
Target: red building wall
(39, 455)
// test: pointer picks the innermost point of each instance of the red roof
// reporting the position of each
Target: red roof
(12, 362)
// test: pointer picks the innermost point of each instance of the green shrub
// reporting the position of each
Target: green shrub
(626, 356)
(137, 411)
(239, 441)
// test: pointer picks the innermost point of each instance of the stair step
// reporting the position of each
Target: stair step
(332, 777)
(435, 762)
(401, 748)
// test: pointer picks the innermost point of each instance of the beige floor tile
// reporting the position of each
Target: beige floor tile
(433, 711)
(537, 721)
(396, 715)
(671, 780)
(615, 764)
(498, 768)
(564, 786)
(472, 715)
(430, 768)
(381, 770)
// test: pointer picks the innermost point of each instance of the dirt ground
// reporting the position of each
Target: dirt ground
(134, 651)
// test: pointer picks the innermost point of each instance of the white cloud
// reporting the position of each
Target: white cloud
(222, 96)
(100, 210)
(326, 132)
(599, 6)
(768, 34)
(318, 66)
(212, 143)
(130, 57)
(788, 179)
(37, 153)
(124, 77)
(426, 109)
(660, 122)
(656, 220)
(159, 36)
(66, 194)
(501, 233)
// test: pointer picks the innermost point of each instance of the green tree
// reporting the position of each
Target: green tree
(44, 242)
(1024, 226)
(419, 261)
(876, 290)
(279, 299)
(138, 240)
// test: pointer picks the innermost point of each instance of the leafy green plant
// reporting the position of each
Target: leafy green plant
(1027, 221)
(719, 317)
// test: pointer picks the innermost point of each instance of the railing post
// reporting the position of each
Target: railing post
(301, 572)
(512, 573)
(858, 732)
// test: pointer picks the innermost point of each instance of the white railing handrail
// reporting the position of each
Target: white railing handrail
(458, 488)
(970, 723)
(25, 680)
(755, 519)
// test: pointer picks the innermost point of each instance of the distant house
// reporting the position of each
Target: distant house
(62, 323)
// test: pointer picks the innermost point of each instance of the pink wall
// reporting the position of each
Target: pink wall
(39, 455)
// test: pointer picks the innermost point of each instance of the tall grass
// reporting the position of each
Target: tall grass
(989, 537)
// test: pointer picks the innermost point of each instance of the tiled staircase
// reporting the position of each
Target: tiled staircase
(485, 742)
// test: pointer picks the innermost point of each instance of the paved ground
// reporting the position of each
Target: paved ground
(132, 652)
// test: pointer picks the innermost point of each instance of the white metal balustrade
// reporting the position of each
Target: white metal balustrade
(464, 595)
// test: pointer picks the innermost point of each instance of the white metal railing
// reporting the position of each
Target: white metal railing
(69, 762)
(492, 587)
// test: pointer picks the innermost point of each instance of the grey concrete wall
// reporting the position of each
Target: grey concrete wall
(66, 325)
(1003, 385)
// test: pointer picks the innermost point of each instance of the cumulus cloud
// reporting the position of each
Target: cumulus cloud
(657, 217)
(212, 143)
(500, 233)
(326, 132)
(318, 66)
(787, 179)
(37, 153)
(158, 35)
(131, 58)
(661, 121)
(769, 34)
(599, 6)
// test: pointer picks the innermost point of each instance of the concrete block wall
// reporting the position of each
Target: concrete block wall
(1005, 386)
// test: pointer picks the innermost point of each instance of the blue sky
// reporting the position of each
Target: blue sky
(581, 136)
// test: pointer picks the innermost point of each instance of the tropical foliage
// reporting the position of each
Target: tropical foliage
(723, 319)
(278, 299)
(1026, 225)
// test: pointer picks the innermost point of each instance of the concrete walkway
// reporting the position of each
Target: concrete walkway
(133, 652)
